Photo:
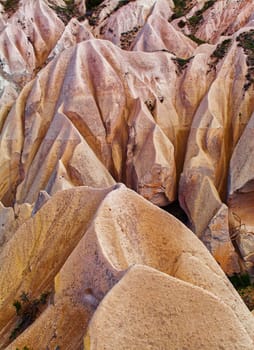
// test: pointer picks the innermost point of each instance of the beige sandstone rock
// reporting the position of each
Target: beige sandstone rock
(151, 310)
(241, 177)
(95, 118)
(40, 247)
(159, 34)
(74, 33)
(68, 161)
(209, 146)
(148, 144)
(216, 239)
(83, 117)
(11, 141)
(6, 223)
(171, 249)
(8, 93)
(76, 111)
(123, 231)
(27, 39)
(113, 25)
(241, 193)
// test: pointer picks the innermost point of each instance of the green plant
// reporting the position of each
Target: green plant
(9, 4)
(221, 49)
(197, 18)
(27, 311)
(180, 9)
(196, 40)
(181, 24)
(90, 4)
(93, 12)
(17, 306)
(120, 4)
(247, 294)
(181, 63)
(127, 38)
(240, 280)
(183, 6)
(219, 53)
(246, 41)
(243, 285)
(208, 4)
(65, 13)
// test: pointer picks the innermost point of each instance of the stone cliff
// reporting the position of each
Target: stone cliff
(116, 117)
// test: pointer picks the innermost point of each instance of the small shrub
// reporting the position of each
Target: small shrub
(120, 4)
(183, 6)
(127, 38)
(181, 63)
(196, 19)
(208, 4)
(181, 24)
(240, 280)
(247, 294)
(243, 285)
(27, 311)
(17, 306)
(219, 52)
(90, 4)
(180, 9)
(196, 40)
(246, 41)
(65, 13)
(10, 6)
(221, 49)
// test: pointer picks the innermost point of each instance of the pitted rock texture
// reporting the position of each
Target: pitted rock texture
(81, 243)
(150, 292)
(157, 95)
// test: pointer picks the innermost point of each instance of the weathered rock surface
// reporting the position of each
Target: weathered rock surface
(157, 95)
(26, 40)
(113, 230)
(41, 246)
(151, 310)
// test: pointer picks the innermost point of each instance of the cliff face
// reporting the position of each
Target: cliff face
(157, 95)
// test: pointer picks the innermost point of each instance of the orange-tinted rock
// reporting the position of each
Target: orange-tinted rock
(115, 231)
(214, 133)
(149, 106)
(241, 193)
(152, 310)
(41, 246)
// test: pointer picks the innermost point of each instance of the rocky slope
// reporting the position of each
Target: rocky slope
(157, 95)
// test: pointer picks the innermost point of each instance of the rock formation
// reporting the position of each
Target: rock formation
(157, 95)
(81, 242)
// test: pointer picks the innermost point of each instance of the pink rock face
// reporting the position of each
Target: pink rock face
(82, 109)
(225, 18)
(156, 96)
(159, 34)
(100, 235)
(27, 39)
